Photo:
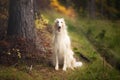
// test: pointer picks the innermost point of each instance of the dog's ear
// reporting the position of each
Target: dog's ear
(55, 20)
(62, 19)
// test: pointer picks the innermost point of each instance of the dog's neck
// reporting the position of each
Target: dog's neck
(61, 33)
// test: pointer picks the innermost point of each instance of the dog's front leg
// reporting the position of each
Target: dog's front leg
(57, 63)
(64, 64)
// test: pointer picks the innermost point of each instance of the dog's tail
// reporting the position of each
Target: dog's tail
(78, 64)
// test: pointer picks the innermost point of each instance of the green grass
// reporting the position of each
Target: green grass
(11, 73)
(97, 69)
(112, 33)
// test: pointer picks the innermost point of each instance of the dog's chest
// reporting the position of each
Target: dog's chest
(61, 43)
(62, 40)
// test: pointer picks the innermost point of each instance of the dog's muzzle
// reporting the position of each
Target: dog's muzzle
(59, 29)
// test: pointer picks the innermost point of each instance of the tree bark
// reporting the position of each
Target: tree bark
(101, 9)
(91, 8)
(21, 19)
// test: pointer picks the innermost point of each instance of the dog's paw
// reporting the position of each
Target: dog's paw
(64, 69)
(72, 68)
(78, 64)
(56, 68)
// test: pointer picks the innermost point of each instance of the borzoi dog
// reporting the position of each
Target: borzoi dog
(62, 52)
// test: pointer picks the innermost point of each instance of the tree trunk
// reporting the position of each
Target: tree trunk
(101, 9)
(21, 20)
(91, 8)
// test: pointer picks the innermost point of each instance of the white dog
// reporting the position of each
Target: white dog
(62, 52)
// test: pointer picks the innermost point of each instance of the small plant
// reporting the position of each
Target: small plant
(15, 52)
(41, 22)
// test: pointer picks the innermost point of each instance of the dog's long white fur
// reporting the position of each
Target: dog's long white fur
(62, 52)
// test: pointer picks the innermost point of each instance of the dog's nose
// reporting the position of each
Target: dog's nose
(59, 27)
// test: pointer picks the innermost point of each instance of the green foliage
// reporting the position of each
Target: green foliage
(41, 22)
(14, 52)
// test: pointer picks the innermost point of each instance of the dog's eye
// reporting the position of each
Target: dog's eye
(57, 21)
(61, 22)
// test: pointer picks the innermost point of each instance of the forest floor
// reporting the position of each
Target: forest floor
(94, 66)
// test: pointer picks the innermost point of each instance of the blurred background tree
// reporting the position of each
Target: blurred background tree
(84, 8)
(94, 8)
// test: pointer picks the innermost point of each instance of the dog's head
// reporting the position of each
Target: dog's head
(59, 24)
